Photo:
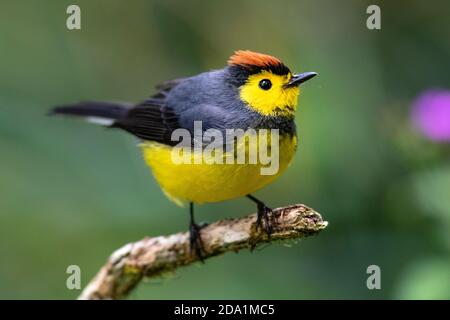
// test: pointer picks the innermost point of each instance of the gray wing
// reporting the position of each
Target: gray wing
(177, 105)
(207, 98)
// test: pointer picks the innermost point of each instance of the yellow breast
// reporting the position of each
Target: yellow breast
(204, 182)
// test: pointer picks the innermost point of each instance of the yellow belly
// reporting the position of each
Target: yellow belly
(201, 183)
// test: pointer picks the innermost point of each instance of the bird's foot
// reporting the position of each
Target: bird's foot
(195, 241)
(263, 214)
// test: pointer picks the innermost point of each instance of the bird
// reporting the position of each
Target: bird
(254, 91)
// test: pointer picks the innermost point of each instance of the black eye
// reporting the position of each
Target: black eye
(265, 84)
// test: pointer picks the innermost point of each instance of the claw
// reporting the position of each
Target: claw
(195, 241)
(263, 214)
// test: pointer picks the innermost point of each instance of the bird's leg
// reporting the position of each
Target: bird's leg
(195, 239)
(262, 214)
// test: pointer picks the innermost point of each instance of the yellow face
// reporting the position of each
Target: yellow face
(265, 92)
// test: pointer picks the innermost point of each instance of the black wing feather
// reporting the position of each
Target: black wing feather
(150, 120)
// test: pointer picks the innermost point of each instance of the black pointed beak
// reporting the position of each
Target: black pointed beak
(298, 79)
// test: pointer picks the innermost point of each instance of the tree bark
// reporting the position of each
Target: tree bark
(151, 257)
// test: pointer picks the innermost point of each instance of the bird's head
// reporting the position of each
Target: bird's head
(265, 83)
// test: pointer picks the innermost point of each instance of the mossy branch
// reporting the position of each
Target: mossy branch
(151, 257)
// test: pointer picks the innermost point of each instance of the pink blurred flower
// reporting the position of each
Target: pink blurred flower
(431, 114)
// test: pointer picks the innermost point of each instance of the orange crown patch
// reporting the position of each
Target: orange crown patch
(249, 59)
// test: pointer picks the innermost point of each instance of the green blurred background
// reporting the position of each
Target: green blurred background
(71, 193)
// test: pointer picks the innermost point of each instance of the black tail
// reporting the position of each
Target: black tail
(99, 112)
